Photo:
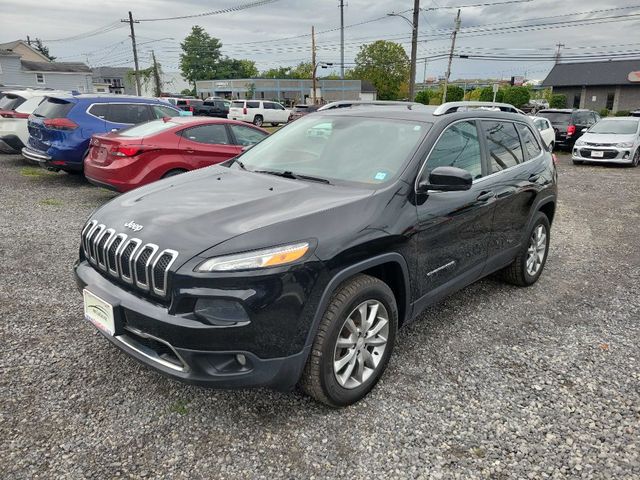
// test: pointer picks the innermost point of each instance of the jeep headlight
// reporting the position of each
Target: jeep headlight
(269, 257)
(624, 144)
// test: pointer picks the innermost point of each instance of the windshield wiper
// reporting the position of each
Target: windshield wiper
(294, 176)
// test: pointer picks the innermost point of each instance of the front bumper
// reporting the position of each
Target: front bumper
(618, 155)
(188, 350)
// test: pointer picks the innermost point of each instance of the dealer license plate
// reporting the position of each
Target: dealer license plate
(98, 312)
(597, 154)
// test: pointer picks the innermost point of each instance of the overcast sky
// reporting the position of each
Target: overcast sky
(266, 25)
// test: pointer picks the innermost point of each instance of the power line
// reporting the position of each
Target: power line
(236, 8)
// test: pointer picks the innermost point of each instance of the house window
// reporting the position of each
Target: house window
(610, 98)
(40, 78)
(576, 100)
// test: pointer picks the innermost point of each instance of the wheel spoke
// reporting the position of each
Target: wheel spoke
(349, 370)
(382, 322)
(351, 326)
(359, 376)
(362, 310)
(375, 341)
(346, 342)
(371, 317)
(368, 359)
(339, 364)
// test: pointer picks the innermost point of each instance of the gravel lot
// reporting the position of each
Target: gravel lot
(496, 382)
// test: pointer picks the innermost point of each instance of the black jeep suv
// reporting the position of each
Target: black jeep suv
(569, 124)
(297, 261)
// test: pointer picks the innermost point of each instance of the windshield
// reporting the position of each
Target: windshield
(616, 127)
(352, 149)
(557, 118)
(146, 129)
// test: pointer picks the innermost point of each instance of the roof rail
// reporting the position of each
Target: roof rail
(452, 107)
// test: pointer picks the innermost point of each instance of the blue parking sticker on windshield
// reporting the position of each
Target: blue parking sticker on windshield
(380, 176)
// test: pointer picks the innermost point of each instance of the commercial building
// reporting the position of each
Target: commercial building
(288, 91)
(614, 85)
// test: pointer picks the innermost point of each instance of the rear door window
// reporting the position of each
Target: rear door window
(11, 101)
(503, 144)
(53, 108)
(268, 106)
(128, 113)
(246, 136)
(458, 146)
(531, 147)
(214, 134)
(99, 110)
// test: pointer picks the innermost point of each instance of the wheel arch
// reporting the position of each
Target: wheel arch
(390, 267)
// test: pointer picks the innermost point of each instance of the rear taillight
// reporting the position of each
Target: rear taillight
(190, 108)
(127, 151)
(571, 129)
(60, 124)
(13, 114)
(244, 111)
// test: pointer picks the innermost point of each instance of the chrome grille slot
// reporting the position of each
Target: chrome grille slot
(127, 259)
(160, 271)
(93, 238)
(112, 254)
(141, 265)
(101, 253)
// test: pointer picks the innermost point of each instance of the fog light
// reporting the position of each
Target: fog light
(241, 359)
(222, 312)
(626, 154)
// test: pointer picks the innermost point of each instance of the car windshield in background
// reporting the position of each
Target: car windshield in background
(10, 102)
(556, 118)
(146, 129)
(351, 149)
(618, 127)
(53, 108)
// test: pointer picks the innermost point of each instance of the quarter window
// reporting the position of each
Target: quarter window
(214, 134)
(503, 145)
(458, 146)
(246, 135)
(128, 113)
(531, 146)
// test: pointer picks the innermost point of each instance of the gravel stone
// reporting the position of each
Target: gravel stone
(494, 382)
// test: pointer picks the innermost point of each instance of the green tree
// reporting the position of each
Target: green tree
(231, 68)
(423, 96)
(486, 95)
(558, 101)
(385, 64)
(280, 72)
(200, 56)
(517, 96)
(44, 50)
(302, 70)
(454, 93)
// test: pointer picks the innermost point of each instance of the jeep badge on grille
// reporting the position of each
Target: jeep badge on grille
(136, 227)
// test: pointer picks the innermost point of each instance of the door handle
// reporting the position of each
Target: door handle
(191, 151)
(484, 196)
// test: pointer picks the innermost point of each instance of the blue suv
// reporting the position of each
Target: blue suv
(60, 129)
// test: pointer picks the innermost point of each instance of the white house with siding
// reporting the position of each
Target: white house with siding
(16, 69)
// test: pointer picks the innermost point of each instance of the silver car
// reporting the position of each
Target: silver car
(611, 140)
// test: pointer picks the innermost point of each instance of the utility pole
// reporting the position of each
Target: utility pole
(414, 49)
(28, 40)
(342, 39)
(453, 46)
(313, 62)
(560, 46)
(156, 76)
(131, 21)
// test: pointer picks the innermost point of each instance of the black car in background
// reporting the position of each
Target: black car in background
(297, 261)
(189, 104)
(213, 108)
(569, 124)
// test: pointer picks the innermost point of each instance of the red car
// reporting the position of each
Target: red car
(144, 153)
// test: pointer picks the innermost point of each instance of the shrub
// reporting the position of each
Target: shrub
(454, 93)
(423, 97)
(604, 112)
(558, 101)
(622, 113)
(517, 96)
(486, 95)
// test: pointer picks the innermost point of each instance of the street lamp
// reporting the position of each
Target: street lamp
(414, 45)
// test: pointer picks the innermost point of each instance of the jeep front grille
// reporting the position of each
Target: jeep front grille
(138, 264)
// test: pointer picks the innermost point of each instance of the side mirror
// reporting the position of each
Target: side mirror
(446, 179)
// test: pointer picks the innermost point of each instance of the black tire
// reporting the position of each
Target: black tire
(173, 173)
(516, 273)
(275, 124)
(318, 379)
(636, 158)
(258, 120)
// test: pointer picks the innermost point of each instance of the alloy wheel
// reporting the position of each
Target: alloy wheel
(537, 249)
(361, 344)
